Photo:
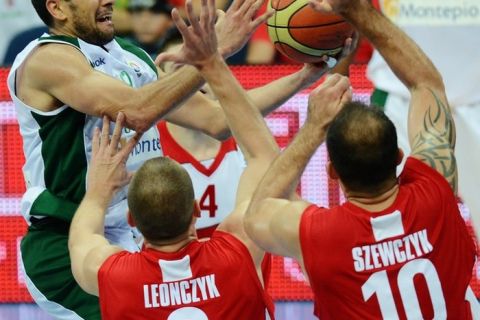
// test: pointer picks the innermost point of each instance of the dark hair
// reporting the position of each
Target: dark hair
(42, 11)
(362, 145)
(161, 199)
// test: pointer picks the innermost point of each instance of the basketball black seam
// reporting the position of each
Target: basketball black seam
(303, 27)
(282, 43)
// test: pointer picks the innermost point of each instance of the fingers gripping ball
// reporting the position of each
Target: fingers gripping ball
(305, 35)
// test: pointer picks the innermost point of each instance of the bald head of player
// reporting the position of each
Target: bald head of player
(161, 201)
(90, 21)
(369, 139)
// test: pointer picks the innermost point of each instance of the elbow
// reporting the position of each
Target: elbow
(220, 134)
(429, 78)
(249, 225)
(250, 219)
(218, 128)
(138, 119)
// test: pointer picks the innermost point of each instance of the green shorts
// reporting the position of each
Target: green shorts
(49, 276)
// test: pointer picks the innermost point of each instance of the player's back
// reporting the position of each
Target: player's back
(215, 279)
(412, 260)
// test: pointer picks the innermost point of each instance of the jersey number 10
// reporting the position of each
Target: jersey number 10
(378, 284)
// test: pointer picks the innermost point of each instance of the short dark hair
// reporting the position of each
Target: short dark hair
(363, 149)
(42, 11)
(161, 199)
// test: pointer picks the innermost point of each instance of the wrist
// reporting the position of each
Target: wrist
(316, 130)
(309, 75)
(209, 68)
(354, 8)
(101, 196)
(224, 52)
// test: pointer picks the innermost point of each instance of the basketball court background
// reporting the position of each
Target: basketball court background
(287, 281)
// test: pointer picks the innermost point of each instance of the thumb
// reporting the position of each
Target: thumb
(346, 97)
(320, 5)
(220, 14)
(168, 56)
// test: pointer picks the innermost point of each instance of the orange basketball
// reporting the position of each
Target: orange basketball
(305, 35)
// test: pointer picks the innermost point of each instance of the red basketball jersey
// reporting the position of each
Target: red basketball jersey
(214, 181)
(411, 261)
(214, 279)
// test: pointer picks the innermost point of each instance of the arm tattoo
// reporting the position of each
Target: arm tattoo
(435, 143)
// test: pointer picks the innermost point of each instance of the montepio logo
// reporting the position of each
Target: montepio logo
(391, 8)
(98, 62)
(432, 12)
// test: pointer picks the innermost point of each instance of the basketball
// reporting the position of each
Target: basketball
(305, 35)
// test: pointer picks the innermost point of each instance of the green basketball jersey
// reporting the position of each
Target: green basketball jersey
(57, 144)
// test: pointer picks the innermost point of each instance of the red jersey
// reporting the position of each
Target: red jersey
(214, 279)
(412, 260)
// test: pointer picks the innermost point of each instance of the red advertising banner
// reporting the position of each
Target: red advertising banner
(287, 280)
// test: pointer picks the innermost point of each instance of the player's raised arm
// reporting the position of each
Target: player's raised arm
(431, 128)
(267, 97)
(244, 119)
(272, 220)
(77, 84)
(87, 244)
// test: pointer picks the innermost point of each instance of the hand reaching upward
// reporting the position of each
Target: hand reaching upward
(199, 38)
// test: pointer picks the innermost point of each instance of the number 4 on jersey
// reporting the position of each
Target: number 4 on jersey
(207, 201)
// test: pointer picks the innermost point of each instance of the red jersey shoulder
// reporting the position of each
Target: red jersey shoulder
(203, 277)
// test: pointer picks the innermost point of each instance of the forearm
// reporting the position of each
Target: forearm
(152, 102)
(402, 54)
(243, 118)
(272, 95)
(283, 176)
(87, 221)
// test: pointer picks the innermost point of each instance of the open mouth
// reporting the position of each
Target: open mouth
(106, 17)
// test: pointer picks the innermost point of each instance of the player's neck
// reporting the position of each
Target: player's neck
(376, 202)
(170, 247)
(198, 144)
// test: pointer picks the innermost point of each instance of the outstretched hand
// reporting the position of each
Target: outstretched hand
(199, 38)
(314, 71)
(326, 101)
(107, 172)
(235, 27)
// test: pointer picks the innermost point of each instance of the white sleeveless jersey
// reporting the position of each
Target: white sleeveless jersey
(57, 144)
(447, 30)
(215, 181)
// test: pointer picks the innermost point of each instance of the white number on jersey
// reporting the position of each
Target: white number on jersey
(378, 284)
(187, 313)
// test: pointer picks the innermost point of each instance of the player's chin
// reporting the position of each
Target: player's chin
(106, 28)
(104, 36)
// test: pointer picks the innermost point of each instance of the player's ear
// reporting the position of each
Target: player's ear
(332, 173)
(56, 9)
(130, 220)
(196, 209)
(400, 156)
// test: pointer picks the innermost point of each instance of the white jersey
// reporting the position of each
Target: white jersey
(215, 181)
(447, 30)
(57, 144)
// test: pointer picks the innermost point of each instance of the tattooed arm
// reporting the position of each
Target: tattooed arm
(430, 124)
(431, 132)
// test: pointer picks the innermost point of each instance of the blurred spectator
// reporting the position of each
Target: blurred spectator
(121, 18)
(16, 16)
(151, 24)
